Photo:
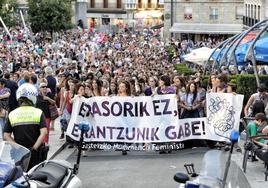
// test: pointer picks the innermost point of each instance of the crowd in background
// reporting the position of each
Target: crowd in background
(77, 63)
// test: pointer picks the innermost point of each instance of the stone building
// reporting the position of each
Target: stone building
(199, 19)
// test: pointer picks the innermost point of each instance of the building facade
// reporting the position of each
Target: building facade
(148, 13)
(255, 11)
(198, 19)
(105, 14)
(135, 14)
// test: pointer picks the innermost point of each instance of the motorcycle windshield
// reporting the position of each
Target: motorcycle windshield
(14, 154)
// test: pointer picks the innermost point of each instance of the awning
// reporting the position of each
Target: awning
(202, 28)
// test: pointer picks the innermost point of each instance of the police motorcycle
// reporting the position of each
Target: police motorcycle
(211, 174)
(14, 160)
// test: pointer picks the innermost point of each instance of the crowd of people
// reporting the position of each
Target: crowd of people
(77, 63)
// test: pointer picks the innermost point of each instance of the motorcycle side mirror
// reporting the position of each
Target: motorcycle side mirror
(181, 177)
(234, 136)
(84, 126)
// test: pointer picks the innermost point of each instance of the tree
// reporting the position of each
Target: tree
(7, 11)
(49, 15)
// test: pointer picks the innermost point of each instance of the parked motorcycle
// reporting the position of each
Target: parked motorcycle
(211, 174)
(14, 160)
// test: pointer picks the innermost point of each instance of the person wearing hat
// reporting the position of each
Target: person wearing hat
(27, 124)
(260, 97)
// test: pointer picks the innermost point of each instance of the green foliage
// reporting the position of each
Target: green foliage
(246, 84)
(50, 15)
(183, 69)
(170, 51)
(7, 12)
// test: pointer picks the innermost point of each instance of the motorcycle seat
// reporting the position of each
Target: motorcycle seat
(54, 173)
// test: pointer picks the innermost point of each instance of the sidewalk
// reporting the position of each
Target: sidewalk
(255, 170)
(55, 143)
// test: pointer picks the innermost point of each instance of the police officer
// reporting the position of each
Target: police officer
(27, 123)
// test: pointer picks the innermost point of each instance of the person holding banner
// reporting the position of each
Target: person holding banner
(152, 83)
(212, 84)
(65, 105)
(165, 88)
(124, 90)
(96, 87)
(190, 102)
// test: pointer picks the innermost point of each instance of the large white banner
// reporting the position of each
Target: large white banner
(125, 119)
(153, 119)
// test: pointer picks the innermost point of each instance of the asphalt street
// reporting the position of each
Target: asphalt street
(110, 169)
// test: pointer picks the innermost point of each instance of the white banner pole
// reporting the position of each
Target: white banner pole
(23, 21)
(5, 27)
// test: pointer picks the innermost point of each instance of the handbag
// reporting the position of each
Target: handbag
(53, 112)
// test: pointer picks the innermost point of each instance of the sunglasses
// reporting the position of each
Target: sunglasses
(43, 87)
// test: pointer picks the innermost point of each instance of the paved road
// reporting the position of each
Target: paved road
(105, 169)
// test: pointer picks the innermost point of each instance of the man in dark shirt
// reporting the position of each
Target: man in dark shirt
(13, 86)
(27, 124)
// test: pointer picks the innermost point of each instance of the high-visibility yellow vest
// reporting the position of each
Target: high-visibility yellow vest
(25, 115)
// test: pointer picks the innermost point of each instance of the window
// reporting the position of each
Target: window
(92, 3)
(105, 3)
(140, 4)
(214, 13)
(119, 3)
(259, 13)
(188, 11)
(160, 3)
(149, 4)
(239, 13)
